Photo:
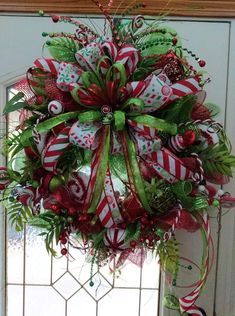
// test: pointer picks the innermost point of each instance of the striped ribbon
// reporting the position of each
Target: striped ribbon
(54, 149)
(168, 166)
(47, 64)
(107, 209)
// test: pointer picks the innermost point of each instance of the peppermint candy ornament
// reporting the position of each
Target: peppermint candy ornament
(179, 143)
(25, 195)
(4, 178)
(55, 107)
(114, 238)
(209, 134)
(77, 185)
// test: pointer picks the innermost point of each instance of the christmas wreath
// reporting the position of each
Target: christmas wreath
(116, 147)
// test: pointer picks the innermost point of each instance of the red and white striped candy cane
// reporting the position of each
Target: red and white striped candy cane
(170, 232)
(198, 177)
(187, 303)
(49, 65)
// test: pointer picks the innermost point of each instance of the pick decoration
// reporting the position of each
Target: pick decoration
(120, 150)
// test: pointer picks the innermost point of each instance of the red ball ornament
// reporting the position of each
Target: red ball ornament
(30, 153)
(39, 100)
(83, 217)
(55, 208)
(55, 18)
(63, 241)
(202, 63)
(174, 40)
(132, 208)
(64, 251)
(133, 243)
(72, 211)
(189, 137)
(123, 225)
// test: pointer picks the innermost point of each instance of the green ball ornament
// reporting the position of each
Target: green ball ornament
(215, 203)
(41, 13)
(55, 183)
(70, 220)
(35, 184)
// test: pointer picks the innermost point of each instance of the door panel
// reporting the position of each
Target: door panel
(21, 43)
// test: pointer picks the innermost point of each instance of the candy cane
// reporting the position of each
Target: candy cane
(187, 303)
(167, 236)
(198, 177)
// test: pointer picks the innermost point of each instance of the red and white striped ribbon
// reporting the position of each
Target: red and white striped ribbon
(107, 209)
(49, 65)
(54, 149)
(168, 166)
(94, 168)
(111, 49)
(129, 56)
(185, 87)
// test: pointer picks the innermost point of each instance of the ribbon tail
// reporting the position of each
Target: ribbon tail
(99, 167)
(133, 165)
(108, 210)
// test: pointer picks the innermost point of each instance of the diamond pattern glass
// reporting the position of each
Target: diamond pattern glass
(66, 285)
(100, 288)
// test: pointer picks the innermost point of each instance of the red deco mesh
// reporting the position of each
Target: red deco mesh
(24, 87)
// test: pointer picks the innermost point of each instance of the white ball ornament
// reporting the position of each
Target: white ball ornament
(114, 238)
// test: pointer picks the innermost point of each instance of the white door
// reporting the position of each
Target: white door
(20, 44)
